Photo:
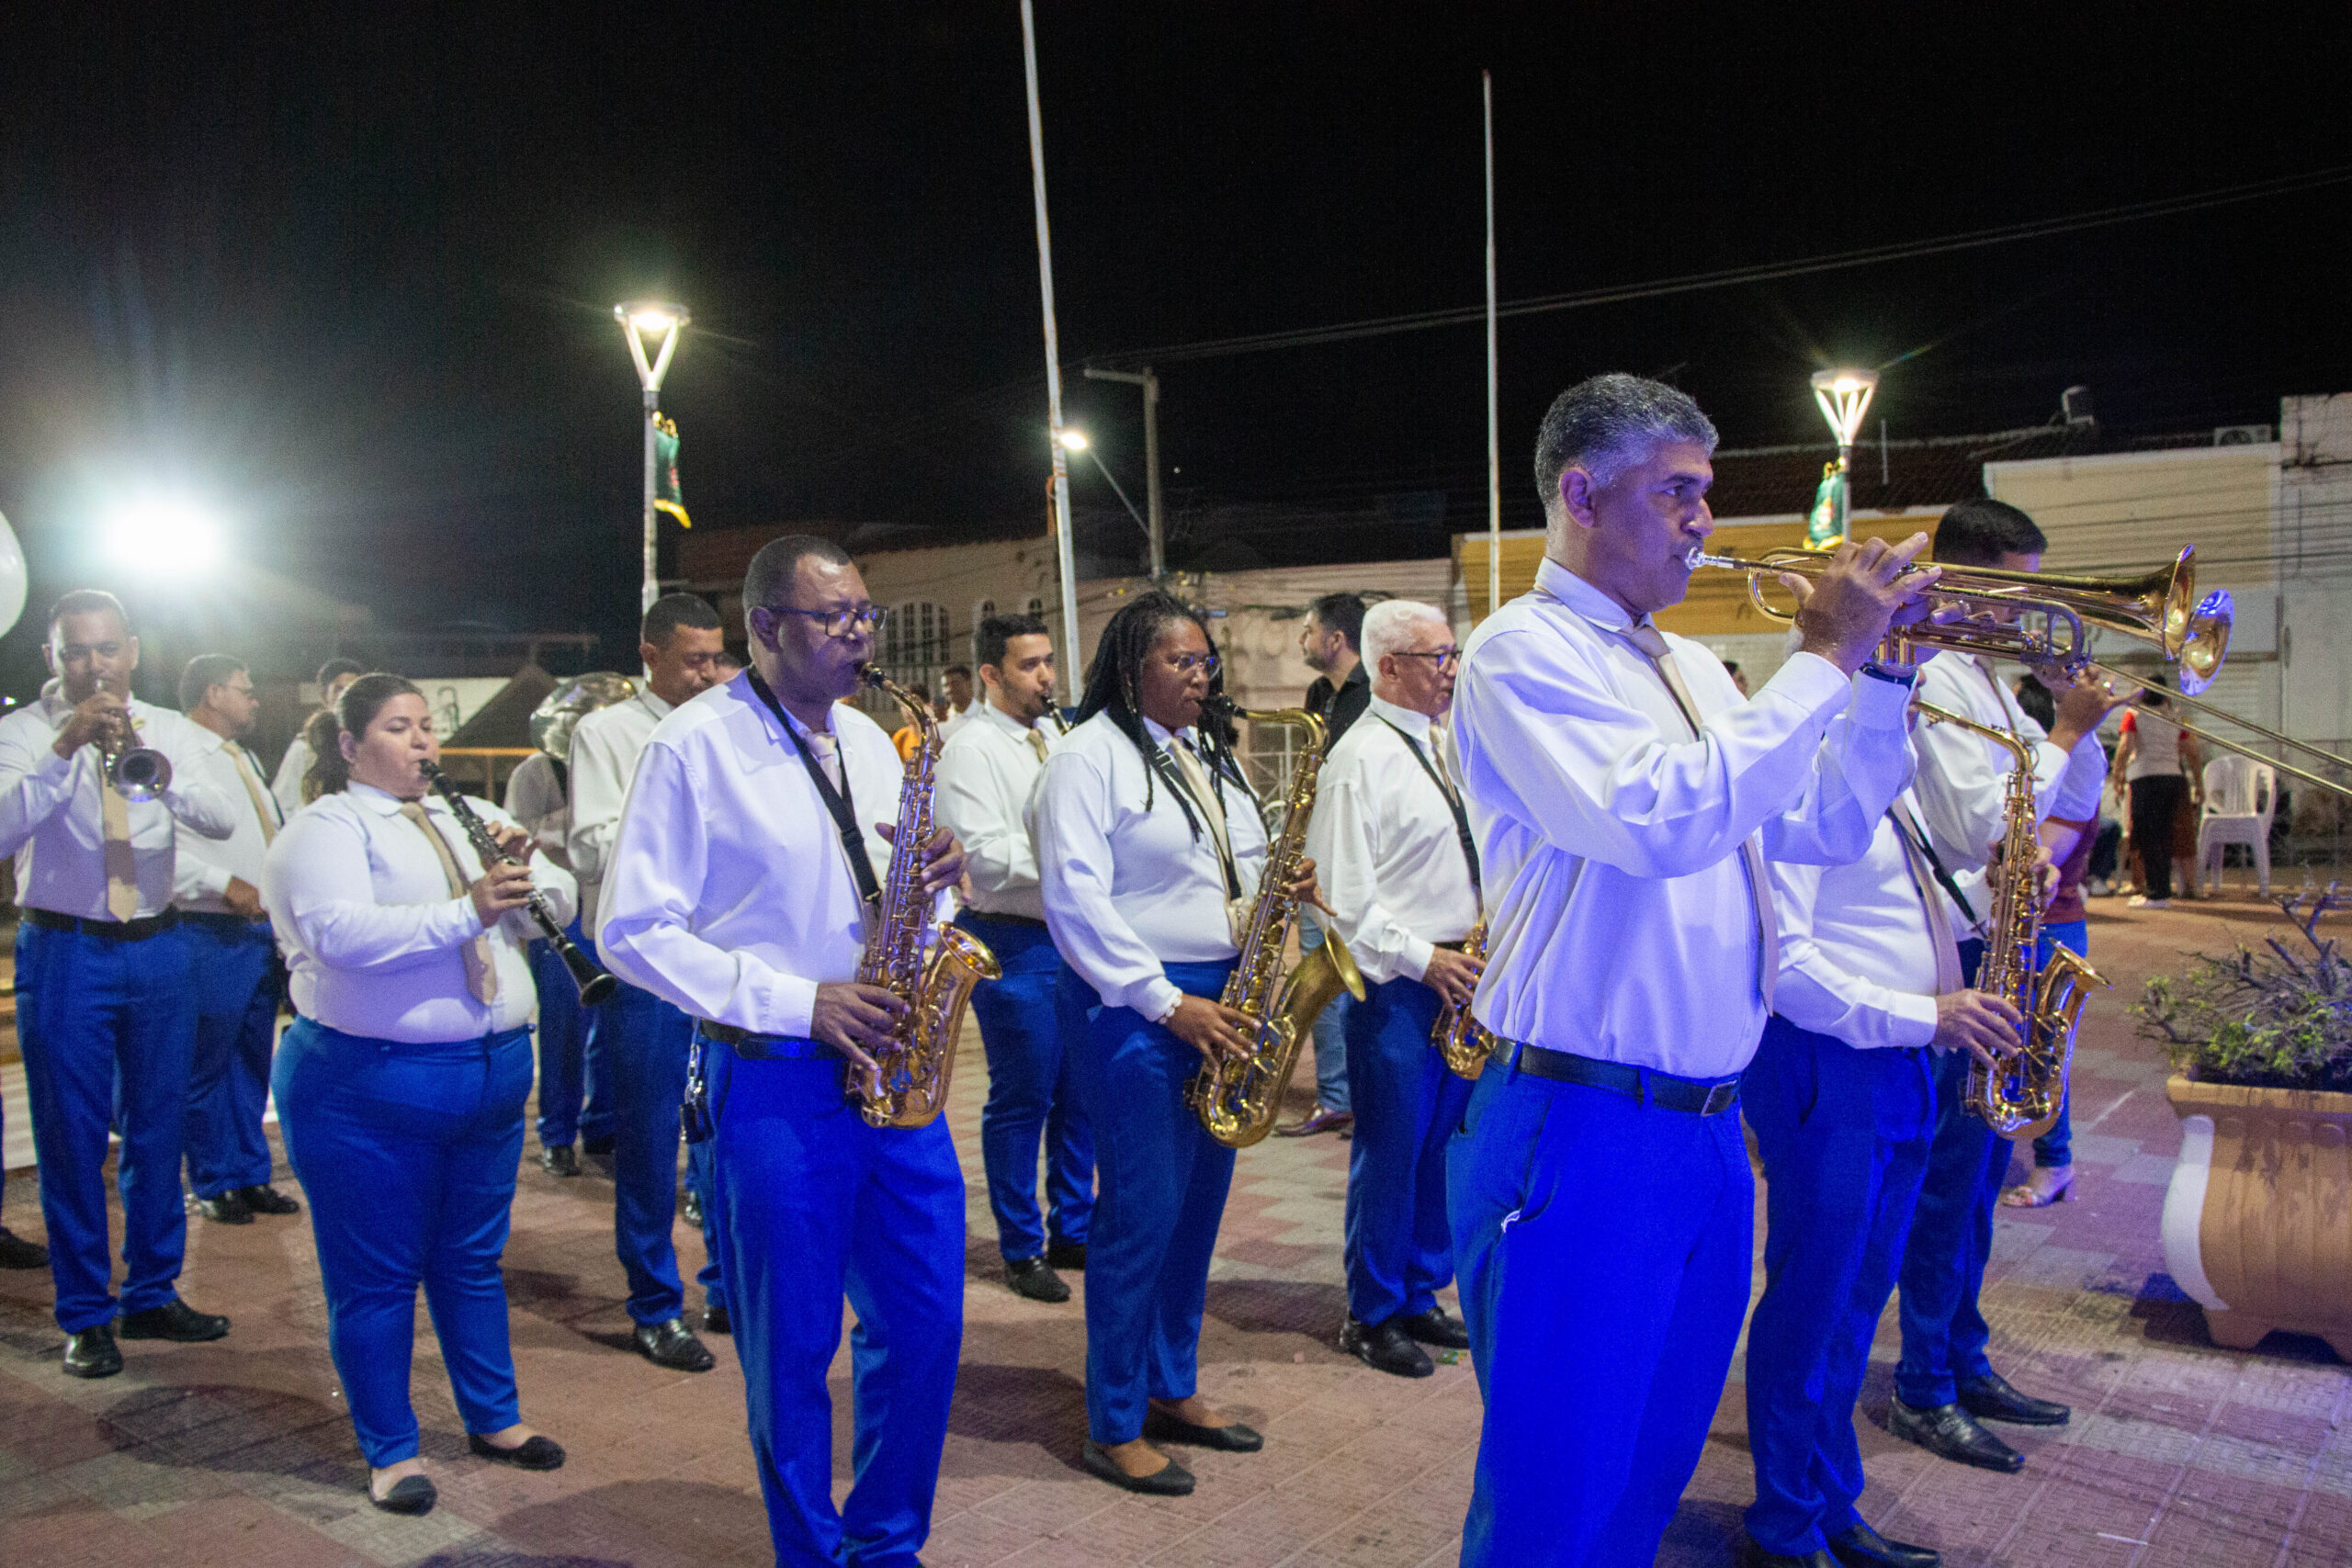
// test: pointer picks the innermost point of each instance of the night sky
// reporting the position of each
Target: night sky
(348, 271)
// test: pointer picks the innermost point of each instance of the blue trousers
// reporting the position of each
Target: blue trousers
(2056, 1147)
(237, 983)
(1399, 1249)
(1944, 1332)
(90, 1012)
(1330, 1035)
(1164, 1182)
(645, 1045)
(407, 1153)
(1603, 1245)
(1028, 1024)
(571, 1053)
(815, 1204)
(1844, 1135)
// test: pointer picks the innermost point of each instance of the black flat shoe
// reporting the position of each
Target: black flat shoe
(1069, 1254)
(1754, 1556)
(409, 1495)
(1386, 1348)
(175, 1321)
(229, 1209)
(537, 1451)
(266, 1200)
(558, 1159)
(715, 1321)
(673, 1345)
(1436, 1327)
(1235, 1439)
(1952, 1433)
(1173, 1481)
(1862, 1547)
(1032, 1276)
(16, 1252)
(1990, 1398)
(92, 1353)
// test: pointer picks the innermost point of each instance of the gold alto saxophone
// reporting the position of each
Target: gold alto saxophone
(2020, 1099)
(934, 981)
(1460, 1038)
(1236, 1099)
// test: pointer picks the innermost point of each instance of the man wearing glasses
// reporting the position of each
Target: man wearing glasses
(739, 890)
(1399, 866)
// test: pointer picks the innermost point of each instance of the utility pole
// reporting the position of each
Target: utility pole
(1156, 524)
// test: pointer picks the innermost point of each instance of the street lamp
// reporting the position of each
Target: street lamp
(161, 532)
(1075, 440)
(1844, 395)
(1155, 529)
(643, 320)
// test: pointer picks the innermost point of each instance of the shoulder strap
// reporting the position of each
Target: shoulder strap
(837, 802)
(1452, 804)
(1158, 759)
(1911, 830)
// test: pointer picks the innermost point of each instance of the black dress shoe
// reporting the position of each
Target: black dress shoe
(1435, 1327)
(1235, 1439)
(673, 1345)
(1034, 1278)
(1386, 1348)
(1755, 1556)
(537, 1451)
(16, 1252)
(1862, 1547)
(556, 1159)
(1990, 1398)
(715, 1321)
(92, 1353)
(1173, 1480)
(409, 1495)
(229, 1209)
(268, 1200)
(603, 1145)
(175, 1321)
(1069, 1254)
(1952, 1433)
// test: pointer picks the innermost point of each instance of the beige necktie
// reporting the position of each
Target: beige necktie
(123, 867)
(264, 807)
(1038, 742)
(1652, 642)
(1940, 933)
(482, 969)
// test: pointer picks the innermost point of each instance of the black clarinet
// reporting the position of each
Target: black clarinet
(596, 984)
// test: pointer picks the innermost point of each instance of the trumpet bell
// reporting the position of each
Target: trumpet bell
(141, 773)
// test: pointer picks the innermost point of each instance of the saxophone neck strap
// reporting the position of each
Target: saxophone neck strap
(1918, 840)
(837, 801)
(1452, 804)
(1161, 761)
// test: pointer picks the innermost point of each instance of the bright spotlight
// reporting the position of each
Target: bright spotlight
(653, 320)
(163, 534)
(1074, 440)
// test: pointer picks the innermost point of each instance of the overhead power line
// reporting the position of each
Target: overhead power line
(1730, 277)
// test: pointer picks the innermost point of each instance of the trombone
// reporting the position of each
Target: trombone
(2283, 741)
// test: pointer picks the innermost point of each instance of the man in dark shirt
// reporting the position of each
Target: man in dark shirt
(1341, 692)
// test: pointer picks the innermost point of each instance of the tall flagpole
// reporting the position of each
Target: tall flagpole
(1494, 412)
(1065, 558)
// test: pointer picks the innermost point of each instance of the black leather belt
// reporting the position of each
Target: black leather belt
(1697, 1097)
(1008, 920)
(222, 921)
(764, 1047)
(112, 930)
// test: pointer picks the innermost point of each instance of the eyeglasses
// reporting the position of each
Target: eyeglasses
(1447, 658)
(1185, 663)
(838, 622)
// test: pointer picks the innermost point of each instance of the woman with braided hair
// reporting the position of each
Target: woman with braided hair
(1150, 847)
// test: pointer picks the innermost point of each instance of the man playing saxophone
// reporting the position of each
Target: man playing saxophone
(1945, 1385)
(1401, 871)
(740, 889)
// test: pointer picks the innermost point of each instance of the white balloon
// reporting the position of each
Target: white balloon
(12, 577)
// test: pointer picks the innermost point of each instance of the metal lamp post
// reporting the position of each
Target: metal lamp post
(1844, 397)
(641, 319)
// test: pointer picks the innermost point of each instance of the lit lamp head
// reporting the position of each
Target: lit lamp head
(1844, 397)
(1073, 441)
(163, 534)
(658, 320)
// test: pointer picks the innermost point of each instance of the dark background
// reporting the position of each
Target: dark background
(348, 271)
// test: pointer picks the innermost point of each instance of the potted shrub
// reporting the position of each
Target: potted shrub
(2258, 1222)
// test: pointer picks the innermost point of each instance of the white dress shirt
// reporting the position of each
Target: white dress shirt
(204, 866)
(287, 785)
(1620, 923)
(1128, 889)
(726, 892)
(986, 772)
(1384, 847)
(536, 798)
(371, 932)
(605, 745)
(958, 718)
(1858, 962)
(51, 821)
(1963, 777)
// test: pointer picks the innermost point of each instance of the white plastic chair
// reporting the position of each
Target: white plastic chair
(2241, 796)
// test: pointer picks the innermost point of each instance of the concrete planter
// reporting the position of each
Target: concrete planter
(2258, 1224)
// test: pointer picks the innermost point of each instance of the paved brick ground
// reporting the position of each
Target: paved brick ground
(238, 1452)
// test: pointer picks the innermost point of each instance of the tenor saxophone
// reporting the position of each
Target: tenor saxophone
(1237, 1097)
(2020, 1099)
(934, 978)
(1460, 1038)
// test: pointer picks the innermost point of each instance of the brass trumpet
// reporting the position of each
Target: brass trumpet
(137, 772)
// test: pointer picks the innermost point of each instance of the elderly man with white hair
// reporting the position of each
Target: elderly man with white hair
(1401, 872)
(1624, 801)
